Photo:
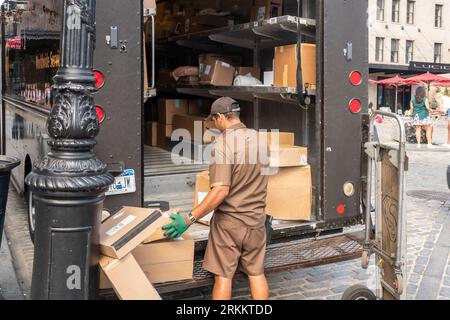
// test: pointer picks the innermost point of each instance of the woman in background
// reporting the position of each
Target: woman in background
(420, 111)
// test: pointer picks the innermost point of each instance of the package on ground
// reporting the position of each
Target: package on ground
(276, 138)
(167, 108)
(265, 9)
(163, 260)
(198, 107)
(126, 229)
(285, 67)
(288, 156)
(151, 134)
(195, 128)
(164, 131)
(217, 70)
(105, 215)
(127, 278)
(202, 188)
(289, 194)
(244, 71)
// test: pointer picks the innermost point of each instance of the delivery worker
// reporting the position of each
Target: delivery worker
(237, 236)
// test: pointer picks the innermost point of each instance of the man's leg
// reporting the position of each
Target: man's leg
(222, 288)
(259, 287)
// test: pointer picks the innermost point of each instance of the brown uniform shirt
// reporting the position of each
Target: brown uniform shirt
(236, 163)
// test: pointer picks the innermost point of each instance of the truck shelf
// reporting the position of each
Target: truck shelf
(269, 33)
(244, 93)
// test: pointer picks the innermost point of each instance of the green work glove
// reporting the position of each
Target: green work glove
(177, 227)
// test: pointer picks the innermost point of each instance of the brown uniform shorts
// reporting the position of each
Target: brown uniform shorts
(231, 245)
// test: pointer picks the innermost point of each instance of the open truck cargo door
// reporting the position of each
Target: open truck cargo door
(118, 56)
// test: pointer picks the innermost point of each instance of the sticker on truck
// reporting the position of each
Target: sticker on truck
(125, 183)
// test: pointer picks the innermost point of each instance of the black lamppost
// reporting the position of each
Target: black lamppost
(69, 184)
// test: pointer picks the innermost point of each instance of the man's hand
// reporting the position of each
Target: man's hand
(179, 226)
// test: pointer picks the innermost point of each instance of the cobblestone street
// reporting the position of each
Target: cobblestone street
(428, 209)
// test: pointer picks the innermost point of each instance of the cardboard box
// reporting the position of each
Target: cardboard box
(266, 9)
(202, 188)
(198, 107)
(164, 131)
(288, 156)
(273, 138)
(167, 260)
(163, 9)
(167, 108)
(268, 78)
(165, 77)
(205, 22)
(243, 71)
(218, 73)
(151, 133)
(289, 194)
(127, 229)
(196, 126)
(127, 279)
(285, 67)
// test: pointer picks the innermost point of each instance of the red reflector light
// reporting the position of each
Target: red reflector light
(100, 114)
(100, 79)
(340, 209)
(355, 106)
(356, 78)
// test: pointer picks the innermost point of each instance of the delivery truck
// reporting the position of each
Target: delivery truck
(299, 67)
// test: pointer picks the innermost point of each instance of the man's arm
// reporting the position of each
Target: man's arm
(214, 198)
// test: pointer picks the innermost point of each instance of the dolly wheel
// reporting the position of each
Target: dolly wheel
(365, 260)
(358, 292)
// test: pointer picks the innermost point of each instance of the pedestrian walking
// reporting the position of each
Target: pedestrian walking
(420, 111)
(237, 238)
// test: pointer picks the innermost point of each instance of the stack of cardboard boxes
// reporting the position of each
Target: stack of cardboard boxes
(137, 254)
(167, 110)
(289, 192)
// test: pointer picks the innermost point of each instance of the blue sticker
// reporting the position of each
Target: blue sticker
(177, 104)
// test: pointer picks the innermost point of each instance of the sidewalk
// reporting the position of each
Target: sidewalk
(9, 286)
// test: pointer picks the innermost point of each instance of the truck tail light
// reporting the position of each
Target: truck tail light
(355, 106)
(100, 114)
(100, 79)
(356, 78)
(340, 209)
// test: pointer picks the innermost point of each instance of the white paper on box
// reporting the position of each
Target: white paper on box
(201, 196)
(122, 224)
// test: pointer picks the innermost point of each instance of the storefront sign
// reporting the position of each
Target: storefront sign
(430, 67)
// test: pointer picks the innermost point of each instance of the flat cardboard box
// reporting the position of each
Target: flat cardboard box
(167, 108)
(288, 156)
(196, 128)
(198, 107)
(164, 131)
(275, 138)
(163, 261)
(127, 229)
(285, 66)
(151, 133)
(266, 9)
(243, 71)
(289, 194)
(127, 278)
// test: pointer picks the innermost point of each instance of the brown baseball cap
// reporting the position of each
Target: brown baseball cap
(224, 105)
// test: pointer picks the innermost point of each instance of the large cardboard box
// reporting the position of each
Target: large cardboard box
(285, 66)
(289, 194)
(217, 69)
(151, 133)
(126, 229)
(164, 131)
(127, 278)
(274, 138)
(266, 9)
(196, 128)
(243, 71)
(288, 156)
(167, 108)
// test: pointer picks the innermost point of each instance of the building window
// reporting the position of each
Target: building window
(380, 10)
(438, 16)
(437, 52)
(409, 51)
(394, 50)
(379, 49)
(410, 12)
(395, 10)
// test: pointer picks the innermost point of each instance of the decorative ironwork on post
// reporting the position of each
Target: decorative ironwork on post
(69, 184)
